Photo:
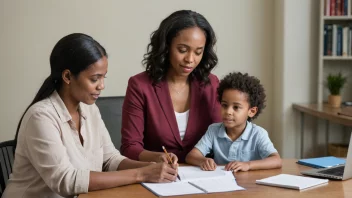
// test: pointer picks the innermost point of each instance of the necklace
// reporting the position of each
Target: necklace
(179, 91)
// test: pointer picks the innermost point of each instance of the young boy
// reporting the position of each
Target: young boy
(237, 142)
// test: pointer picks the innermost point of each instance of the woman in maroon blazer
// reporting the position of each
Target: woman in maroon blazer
(173, 102)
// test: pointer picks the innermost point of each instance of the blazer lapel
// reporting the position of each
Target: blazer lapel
(163, 94)
(196, 99)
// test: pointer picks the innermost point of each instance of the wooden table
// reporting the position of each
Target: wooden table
(333, 189)
(322, 111)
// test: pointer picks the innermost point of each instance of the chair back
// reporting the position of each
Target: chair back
(111, 113)
(6, 161)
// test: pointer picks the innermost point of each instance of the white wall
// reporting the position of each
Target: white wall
(277, 121)
(296, 67)
(30, 29)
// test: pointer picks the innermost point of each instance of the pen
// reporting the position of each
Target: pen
(170, 160)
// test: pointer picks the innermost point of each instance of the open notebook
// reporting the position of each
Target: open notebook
(196, 181)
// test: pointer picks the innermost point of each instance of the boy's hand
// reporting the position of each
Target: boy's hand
(208, 165)
(236, 166)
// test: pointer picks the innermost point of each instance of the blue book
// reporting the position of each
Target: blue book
(325, 40)
(339, 41)
(322, 162)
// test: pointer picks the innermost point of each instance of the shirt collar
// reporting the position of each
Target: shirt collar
(61, 109)
(245, 135)
(222, 133)
(247, 131)
(81, 111)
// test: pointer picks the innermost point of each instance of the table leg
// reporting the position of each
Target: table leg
(302, 134)
(327, 127)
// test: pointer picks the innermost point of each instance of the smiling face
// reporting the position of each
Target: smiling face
(235, 109)
(186, 51)
(86, 87)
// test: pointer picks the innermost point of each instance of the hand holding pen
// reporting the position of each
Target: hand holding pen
(171, 159)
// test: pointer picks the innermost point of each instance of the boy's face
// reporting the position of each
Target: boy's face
(235, 109)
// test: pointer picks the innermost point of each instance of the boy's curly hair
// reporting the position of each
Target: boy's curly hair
(246, 84)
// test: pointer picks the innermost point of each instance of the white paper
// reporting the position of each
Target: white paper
(219, 184)
(172, 189)
(196, 181)
(190, 173)
(292, 181)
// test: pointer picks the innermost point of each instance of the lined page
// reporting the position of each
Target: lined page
(220, 184)
(172, 189)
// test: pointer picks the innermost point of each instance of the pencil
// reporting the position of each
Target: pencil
(170, 160)
(168, 156)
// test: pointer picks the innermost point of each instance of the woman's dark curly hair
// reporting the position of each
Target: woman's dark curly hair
(246, 84)
(156, 60)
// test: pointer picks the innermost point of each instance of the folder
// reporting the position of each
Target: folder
(322, 162)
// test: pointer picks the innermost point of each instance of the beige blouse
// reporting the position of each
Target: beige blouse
(50, 160)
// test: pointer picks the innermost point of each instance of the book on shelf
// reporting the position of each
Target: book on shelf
(337, 40)
(335, 7)
(327, 40)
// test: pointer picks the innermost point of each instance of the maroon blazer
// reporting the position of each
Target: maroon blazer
(149, 121)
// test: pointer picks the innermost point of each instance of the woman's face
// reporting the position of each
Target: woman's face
(86, 87)
(186, 51)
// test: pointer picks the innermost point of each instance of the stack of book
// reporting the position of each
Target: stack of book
(335, 7)
(337, 40)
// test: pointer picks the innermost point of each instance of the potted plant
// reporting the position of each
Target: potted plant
(335, 83)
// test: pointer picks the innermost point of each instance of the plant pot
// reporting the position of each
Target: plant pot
(334, 101)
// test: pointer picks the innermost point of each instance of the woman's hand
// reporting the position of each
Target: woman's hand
(208, 164)
(236, 166)
(158, 173)
(163, 158)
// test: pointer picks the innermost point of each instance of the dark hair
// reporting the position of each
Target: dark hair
(246, 84)
(75, 52)
(157, 60)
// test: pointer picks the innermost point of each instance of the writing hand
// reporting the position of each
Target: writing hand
(158, 173)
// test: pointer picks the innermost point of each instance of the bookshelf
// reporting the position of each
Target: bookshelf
(335, 62)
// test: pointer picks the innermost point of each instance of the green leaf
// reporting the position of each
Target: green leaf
(335, 83)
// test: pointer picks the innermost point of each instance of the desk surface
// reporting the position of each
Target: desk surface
(324, 111)
(247, 180)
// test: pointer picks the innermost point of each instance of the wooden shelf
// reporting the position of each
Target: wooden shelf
(326, 64)
(337, 18)
(337, 57)
(324, 111)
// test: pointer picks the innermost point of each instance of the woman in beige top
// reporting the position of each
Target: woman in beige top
(62, 143)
